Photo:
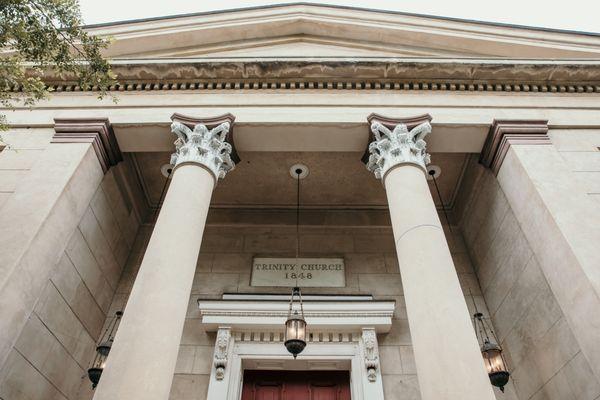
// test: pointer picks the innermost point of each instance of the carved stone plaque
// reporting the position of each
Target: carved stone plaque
(304, 272)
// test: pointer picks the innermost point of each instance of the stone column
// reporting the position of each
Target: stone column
(449, 363)
(142, 361)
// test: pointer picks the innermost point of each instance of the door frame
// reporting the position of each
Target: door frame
(250, 336)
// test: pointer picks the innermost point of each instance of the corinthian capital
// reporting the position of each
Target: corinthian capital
(203, 145)
(397, 142)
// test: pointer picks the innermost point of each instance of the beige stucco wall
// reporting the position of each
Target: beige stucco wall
(224, 267)
(50, 357)
(544, 357)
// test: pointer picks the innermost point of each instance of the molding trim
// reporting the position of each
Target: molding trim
(98, 132)
(505, 133)
(211, 123)
(320, 315)
(335, 84)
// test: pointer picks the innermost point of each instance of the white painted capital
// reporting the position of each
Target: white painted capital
(203, 146)
(398, 146)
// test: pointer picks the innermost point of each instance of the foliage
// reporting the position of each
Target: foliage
(38, 36)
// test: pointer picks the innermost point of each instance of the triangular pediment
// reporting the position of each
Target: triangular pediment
(300, 46)
(305, 31)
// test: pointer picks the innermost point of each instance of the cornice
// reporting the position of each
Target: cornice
(505, 133)
(98, 132)
(455, 75)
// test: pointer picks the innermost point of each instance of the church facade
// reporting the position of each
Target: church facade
(431, 186)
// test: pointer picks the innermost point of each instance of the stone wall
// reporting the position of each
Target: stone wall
(224, 267)
(580, 150)
(52, 353)
(543, 355)
(23, 149)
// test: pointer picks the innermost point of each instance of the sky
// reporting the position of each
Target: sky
(579, 15)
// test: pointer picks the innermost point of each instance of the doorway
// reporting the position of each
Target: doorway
(296, 385)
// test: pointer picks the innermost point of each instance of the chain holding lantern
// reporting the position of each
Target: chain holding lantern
(103, 349)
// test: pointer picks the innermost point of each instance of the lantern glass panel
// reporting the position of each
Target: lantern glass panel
(493, 360)
(295, 329)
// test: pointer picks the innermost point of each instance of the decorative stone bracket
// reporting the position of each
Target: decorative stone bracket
(396, 141)
(371, 350)
(221, 351)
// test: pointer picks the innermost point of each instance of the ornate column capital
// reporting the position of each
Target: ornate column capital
(396, 141)
(206, 141)
(504, 133)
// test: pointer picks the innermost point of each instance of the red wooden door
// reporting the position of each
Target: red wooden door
(296, 385)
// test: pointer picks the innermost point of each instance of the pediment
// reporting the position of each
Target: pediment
(300, 46)
(306, 30)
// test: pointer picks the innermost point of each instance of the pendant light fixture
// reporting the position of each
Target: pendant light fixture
(102, 350)
(491, 352)
(494, 361)
(295, 325)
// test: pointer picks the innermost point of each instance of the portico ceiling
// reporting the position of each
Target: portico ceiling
(336, 180)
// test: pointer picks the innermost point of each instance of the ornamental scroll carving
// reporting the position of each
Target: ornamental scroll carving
(371, 350)
(221, 351)
(203, 146)
(397, 146)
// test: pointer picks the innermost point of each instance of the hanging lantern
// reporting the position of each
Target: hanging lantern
(491, 352)
(295, 326)
(102, 350)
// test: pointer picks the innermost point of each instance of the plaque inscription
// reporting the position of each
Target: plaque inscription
(305, 272)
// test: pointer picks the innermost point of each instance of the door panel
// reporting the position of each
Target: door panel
(324, 393)
(268, 393)
(296, 385)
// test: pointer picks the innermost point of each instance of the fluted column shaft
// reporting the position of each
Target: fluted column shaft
(142, 360)
(449, 363)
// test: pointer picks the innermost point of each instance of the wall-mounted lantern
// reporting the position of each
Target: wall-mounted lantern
(102, 350)
(491, 352)
(295, 326)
